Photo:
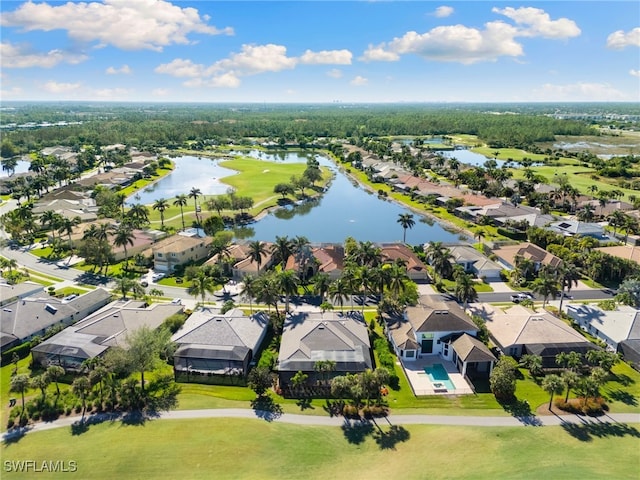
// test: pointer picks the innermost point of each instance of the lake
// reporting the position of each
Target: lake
(346, 209)
(21, 167)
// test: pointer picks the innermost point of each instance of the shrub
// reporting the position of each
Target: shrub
(67, 411)
(78, 408)
(10, 423)
(350, 411)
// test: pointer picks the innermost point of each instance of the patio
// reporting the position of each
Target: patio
(421, 384)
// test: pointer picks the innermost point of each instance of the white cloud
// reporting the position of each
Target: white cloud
(538, 23)
(334, 73)
(251, 60)
(19, 56)
(331, 57)
(113, 93)
(59, 87)
(125, 24)
(579, 92)
(160, 92)
(124, 69)
(467, 45)
(12, 92)
(634, 73)
(359, 81)
(455, 43)
(619, 39)
(181, 68)
(443, 11)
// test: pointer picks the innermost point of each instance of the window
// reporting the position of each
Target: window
(159, 255)
(410, 353)
(173, 255)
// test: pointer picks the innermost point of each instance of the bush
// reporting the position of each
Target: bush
(67, 411)
(350, 411)
(10, 423)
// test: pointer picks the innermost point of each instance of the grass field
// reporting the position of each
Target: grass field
(247, 449)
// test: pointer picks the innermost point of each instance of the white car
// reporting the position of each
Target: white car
(518, 297)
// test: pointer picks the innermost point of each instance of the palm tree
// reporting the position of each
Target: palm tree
(257, 250)
(338, 292)
(194, 193)
(439, 257)
(180, 201)
(406, 221)
(161, 205)
(568, 275)
(321, 283)
(552, 384)
(68, 225)
(124, 284)
(465, 289)
(139, 215)
(123, 236)
(366, 254)
(547, 286)
(19, 384)
(81, 387)
(249, 289)
(282, 250)
(287, 282)
(55, 373)
(201, 284)
(570, 380)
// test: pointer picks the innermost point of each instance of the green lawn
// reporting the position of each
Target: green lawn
(247, 449)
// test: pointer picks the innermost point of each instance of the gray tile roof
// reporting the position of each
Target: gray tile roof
(470, 349)
(308, 338)
(438, 316)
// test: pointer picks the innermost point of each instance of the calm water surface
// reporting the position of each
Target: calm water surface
(346, 209)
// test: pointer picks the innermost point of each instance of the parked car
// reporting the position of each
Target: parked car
(518, 297)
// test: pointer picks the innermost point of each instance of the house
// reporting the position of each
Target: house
(507, 255)
(214, 347)
(11, 293)
(26, 318)
(622, 251)
(427, 328)
(611, 326)
(518, 331)
(309, 338)
(241, 262)
(106, 328)
(476, 263)
(179, 250)
(573, 228)
(392, 252)
(85, 208)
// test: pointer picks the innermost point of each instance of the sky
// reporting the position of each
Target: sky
(320, 51)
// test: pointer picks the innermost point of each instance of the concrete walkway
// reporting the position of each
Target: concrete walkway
(317, 420)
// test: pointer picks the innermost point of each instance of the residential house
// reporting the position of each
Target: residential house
(11, 293)
(392, 252)
(215, 347)
(518, 331)
(476, 263)
(106, 328)
(622, 251)
(179, 250)
(573, 228)
(611, 326)
(84, 208)
(436, 328)
(309, 338)
(507, 255)
(26, 318)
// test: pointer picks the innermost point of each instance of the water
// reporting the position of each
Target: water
(21, 167)
(346, 209)
(437, 373)
(468, 157)
(189, 172)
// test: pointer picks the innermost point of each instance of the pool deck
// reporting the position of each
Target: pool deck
(421, 384)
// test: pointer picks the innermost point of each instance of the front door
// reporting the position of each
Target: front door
(427, 345)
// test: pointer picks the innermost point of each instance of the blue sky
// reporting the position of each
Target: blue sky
(307, 51)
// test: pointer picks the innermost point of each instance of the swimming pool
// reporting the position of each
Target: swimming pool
(438, 374)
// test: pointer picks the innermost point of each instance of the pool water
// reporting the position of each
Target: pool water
(438, 374)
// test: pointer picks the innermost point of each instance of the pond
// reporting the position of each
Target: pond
(468, 157)
(21, 167)
(345, 209)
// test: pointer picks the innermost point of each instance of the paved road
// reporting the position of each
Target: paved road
(471, 421)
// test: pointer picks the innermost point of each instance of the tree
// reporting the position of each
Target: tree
(439, 257)
(42, 382)
(533, 363)
(545, 285)
(502, 380)
(219, 203)
(570, 360)
(194, 193)
(287, 282)
(284, 189)
(552, 384)
(81, 387)
(298, 380)
(629, 292)
(124, 284)
(138, 215)
(123, 236)
(145, 347)
(257, 250)
(249, 289)
(55, 373)
(19, 384)
(338, 291)
(568, 274)
(464, 289)
(570, 380)
(181, 201)
(161, 205)
(67, 225)
(260, 379)
(406, 221)
(201, 284)
(321, 283)
(282, 249)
